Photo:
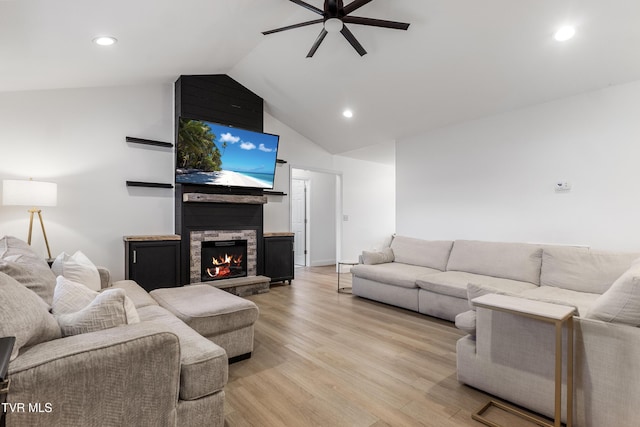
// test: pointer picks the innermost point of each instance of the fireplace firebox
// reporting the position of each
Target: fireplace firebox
(223, 259)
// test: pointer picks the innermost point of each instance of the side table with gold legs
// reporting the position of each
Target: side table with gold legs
(344, 290)
(559, 316)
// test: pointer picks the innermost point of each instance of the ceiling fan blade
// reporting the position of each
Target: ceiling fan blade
(375, 22)
(316, 44)
(291, 27)
(308, 6)
(357, 4)
(352, 39)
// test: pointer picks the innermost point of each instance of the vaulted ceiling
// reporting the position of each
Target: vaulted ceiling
(459, 59)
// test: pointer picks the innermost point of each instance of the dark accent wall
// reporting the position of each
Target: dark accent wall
(220, 99)
(217, 98)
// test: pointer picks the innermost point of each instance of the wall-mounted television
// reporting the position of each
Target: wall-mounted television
(209, 153)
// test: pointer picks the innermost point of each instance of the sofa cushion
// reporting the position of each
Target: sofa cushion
(24, 315)
(454, 283)
(77, 267)
(35, 273)
(579, 270)
(425, 253)
(373, 258)
(515, 261)
(393, 273)
(138, 295)
(621, 302)
(204, 366)
(582, 301)
(475, 290)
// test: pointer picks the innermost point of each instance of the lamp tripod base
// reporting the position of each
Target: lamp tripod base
(44, 233)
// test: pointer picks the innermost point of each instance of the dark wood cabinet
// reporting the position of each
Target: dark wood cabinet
(278, 257)
(153, 261)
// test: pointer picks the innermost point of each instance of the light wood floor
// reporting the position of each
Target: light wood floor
(328, 359)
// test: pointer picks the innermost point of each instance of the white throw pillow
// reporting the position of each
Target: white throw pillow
(77, 267)
(104, 312)
(71, 297)
(621, 302)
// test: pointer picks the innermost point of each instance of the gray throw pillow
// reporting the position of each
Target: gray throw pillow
(19, 261)
(382, 257)
(24, 315)
(104, 312)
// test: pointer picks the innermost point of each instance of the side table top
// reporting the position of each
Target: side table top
(524, 306)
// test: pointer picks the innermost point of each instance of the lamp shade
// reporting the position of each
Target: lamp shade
(29, 193)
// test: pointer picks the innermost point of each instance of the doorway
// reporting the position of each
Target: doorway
(299, 204)
(315, 207)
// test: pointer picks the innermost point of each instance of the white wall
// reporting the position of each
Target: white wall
(298, 151)
(76, 138)
(493, 179)
(368, 191)
(369, 204)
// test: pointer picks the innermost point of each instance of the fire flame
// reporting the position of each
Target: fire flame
(223, 264)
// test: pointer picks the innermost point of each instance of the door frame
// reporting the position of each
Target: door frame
(338, 213)
(306, 212)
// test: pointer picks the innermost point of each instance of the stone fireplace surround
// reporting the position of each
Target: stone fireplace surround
(213, 216)
(195, 243)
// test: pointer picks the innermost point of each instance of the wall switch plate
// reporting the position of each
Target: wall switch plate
(345, 217)
(563, 186)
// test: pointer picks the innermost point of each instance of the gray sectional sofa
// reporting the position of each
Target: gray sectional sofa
(511, 356)
(154, 371)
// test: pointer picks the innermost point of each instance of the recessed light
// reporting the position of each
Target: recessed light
(564, 33)
(105, 40)
(347, 113)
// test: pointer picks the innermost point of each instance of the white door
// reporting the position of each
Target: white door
(299, 219)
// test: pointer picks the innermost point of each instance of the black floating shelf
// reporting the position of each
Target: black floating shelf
(281, 161)
(149, 142)
(274, 193)
(148, 184)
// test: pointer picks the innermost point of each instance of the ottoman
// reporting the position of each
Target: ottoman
(219, 316)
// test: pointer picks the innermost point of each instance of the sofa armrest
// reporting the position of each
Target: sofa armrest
(127, 375)
(105, 277)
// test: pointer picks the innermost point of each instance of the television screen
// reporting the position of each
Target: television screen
(213, 154)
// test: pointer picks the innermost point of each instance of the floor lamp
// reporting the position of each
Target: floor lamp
(30, 193)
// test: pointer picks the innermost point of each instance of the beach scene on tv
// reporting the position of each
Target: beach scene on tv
(213, 154)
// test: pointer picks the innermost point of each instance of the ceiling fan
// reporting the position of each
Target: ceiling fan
(334, 16)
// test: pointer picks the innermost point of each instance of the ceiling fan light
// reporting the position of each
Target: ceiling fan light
(333, 25)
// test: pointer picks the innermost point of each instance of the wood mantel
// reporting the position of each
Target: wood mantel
(223, 198)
